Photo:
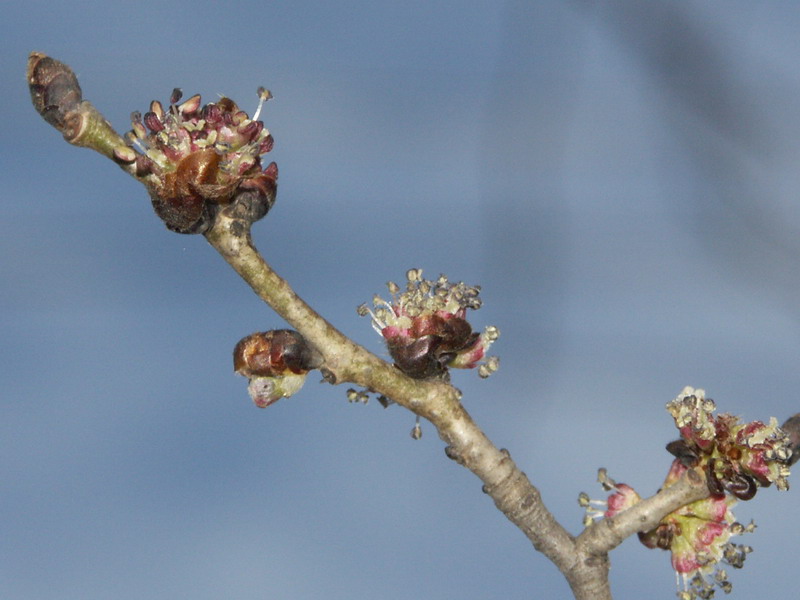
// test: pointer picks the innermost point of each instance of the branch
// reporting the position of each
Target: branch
(224, 217)
(436, 401)
(201, 167)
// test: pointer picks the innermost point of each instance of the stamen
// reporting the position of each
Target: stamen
(263, 95)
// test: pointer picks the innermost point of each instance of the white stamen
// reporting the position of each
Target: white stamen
(263, 96)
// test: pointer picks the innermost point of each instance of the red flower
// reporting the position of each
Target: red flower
(196, 159)
(426, 330)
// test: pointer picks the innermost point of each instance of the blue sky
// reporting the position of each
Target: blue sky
(620, 177)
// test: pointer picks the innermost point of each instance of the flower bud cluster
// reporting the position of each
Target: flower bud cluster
(426, 330)
(276, 362)
(196, 159)
(698, 537)
(736, 459)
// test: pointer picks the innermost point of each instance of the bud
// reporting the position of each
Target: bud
(276, 362)
(57, 97)
(55, 91)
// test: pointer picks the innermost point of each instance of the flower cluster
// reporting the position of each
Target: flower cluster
(195, 159)
(736, 459)
(425, 327)
(698, 536)
(276, 363)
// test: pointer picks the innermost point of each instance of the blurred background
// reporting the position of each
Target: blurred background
(620, 177)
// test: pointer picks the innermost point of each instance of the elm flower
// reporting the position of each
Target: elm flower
(426, 330)
(698, 537)
(736, 457)
(195, 159)
(276, 362)
(624, 497)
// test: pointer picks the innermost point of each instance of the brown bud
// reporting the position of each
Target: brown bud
(185, 201)
(55, 91)
(255, 196)
(742, 486)
(714, 483)
(434, 342)
(683, 452)
(275, 352)
(417, 357)
(660, 537)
